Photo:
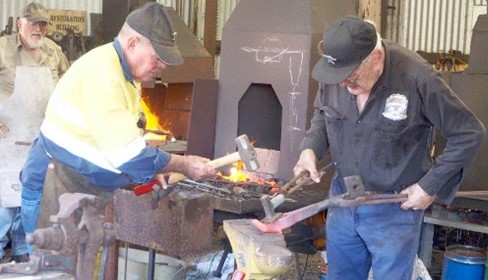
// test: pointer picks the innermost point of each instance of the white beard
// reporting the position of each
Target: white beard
(33, 43)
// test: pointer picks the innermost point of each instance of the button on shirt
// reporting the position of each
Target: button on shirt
(13, 54)
(389, 143)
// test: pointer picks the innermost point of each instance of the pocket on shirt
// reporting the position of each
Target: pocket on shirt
(389, 130)
(388, 144)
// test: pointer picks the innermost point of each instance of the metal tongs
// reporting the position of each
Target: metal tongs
(356, 195)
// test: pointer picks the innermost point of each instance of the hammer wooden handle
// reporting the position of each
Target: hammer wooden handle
(176, 177)
(223, 161)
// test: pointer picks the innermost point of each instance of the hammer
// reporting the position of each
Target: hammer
(245, 152)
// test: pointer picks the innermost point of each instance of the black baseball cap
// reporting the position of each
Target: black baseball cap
(34, 12)
(152, 21)
(346, 43)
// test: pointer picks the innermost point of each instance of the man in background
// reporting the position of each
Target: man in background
(30, 64)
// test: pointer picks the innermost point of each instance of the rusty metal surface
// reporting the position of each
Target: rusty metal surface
(276, 47)
(178, 225)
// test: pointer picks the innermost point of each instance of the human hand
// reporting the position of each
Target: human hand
(193, 167)
(162, 179)
(308, 162)
(3, 130)
(198, 168)
(417, 199)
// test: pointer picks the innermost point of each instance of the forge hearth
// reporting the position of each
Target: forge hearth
(265, 87)
(244, 197)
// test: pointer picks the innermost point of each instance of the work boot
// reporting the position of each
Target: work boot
(21, 258)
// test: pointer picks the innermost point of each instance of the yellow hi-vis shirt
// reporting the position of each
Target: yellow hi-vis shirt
(94, 110)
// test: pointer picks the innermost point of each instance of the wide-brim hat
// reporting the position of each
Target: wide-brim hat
(152, 21)
(346, 43)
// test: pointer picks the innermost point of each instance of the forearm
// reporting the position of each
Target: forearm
(194, 167)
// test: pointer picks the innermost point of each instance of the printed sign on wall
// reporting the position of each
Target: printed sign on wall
(63, 20)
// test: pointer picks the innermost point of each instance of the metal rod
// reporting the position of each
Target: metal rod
(151, 262)
(208, 186)
(238, 183)
(126, 259)
(103, 263)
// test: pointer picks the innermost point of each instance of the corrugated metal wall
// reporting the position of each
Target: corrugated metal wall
(433, 25)
(225, 9)
(427, 25)
(192, 13)
(189, 9)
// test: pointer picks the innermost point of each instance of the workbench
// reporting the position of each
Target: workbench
(442, 216)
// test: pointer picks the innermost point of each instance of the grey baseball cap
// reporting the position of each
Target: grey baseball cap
(152, 21)
(34, 12)
(346, 43)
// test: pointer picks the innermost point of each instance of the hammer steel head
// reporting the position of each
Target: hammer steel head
(247, 152)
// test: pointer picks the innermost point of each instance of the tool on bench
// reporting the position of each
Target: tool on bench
(356, 195)
(270, 203)
(245, 152)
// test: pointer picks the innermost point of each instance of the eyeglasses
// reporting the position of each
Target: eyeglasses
(40, 24)
(358, 73)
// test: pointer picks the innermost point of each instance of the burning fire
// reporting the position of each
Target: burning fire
(238, 174)
(153, 134)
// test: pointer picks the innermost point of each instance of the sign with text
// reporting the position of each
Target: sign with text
(63, 20)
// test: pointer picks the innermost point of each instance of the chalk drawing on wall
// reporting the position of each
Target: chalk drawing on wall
(271, 50)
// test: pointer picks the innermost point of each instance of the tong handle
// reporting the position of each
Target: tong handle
(292, 186)
(376, 199)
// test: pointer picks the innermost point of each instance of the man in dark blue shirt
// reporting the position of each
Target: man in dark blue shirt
(375, 112)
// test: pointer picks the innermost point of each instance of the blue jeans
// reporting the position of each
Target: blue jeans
(32, 178)
(382, 237)
(10, 219)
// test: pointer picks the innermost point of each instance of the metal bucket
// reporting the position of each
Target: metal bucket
(463, 262)
(166, 267)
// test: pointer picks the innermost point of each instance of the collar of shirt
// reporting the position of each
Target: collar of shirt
(44, 49)
(383, 81)
(123, 61)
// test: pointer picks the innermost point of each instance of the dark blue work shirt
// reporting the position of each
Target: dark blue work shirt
(388, 144)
